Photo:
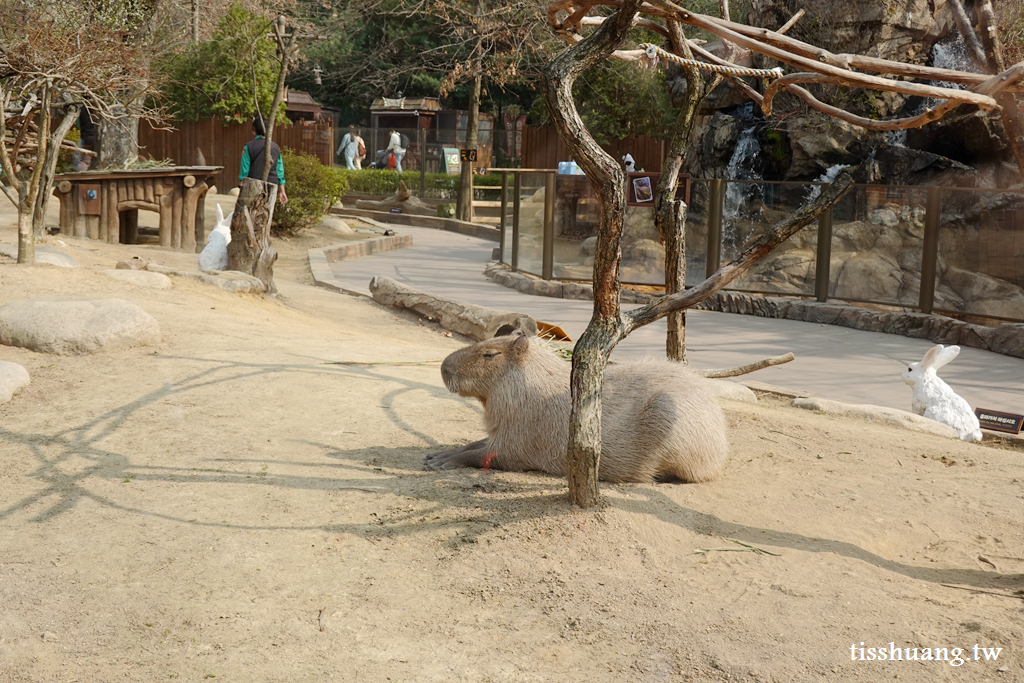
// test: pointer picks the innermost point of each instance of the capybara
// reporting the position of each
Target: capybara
(658, 420)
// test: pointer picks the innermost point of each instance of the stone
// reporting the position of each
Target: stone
(233, 281)
(134, 263)
(899, 418)
(44, 255)
(886, 217)
(70, 326)
(1008, 339)
(13, 378)
(732, 391)
(142, 278)
(588, 247)
(478, 322)
(336, 224)
(233, 191)
(868, 277)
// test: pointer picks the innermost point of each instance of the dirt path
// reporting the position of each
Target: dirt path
(228, 505)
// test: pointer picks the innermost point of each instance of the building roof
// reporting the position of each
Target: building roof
(405, 104)
(299, 100)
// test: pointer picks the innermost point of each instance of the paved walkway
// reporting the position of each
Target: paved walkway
(833, 362)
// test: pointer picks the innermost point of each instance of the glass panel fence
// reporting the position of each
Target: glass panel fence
(531, 223)
(980, 270)
(750, 208)
(697, 232)
(577, 214)
(877, 245)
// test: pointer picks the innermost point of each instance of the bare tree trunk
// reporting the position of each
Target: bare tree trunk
(608, 180)
(50, 168)
(249, 250)
(28, 190)
(670, 213)
(117, 142)
(464, 206)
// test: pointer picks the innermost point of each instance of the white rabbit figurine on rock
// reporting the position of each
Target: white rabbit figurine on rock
(935, 400)
(214, 255)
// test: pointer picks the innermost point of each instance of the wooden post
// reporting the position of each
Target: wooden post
(548, 258)
(177, 209)
(823, 260)
(504, 210)
(716, 203)
(517, 189)
(930, 249)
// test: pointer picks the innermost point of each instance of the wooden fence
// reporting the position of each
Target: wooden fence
(542, 148)
(211, 143)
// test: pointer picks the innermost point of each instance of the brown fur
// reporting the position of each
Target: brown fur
(658, 419)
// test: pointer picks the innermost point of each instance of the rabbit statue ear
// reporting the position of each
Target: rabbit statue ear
(947, 354)
(938, 356)
(220, 214)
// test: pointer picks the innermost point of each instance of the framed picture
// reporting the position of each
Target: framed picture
(642, 190)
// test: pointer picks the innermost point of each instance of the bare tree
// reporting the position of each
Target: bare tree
(608, 325)
(56, 59)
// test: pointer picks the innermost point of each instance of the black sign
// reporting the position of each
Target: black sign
(467, 154)
(999, 422)
(395, 209)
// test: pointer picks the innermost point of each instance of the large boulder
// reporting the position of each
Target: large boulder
(48, 255)
(70, 327)
(12, 378)
(142, 278)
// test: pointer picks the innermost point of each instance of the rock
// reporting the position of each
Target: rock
(732, 391)
(13, 378)
(142, 278)
(233, 191)
(899, 418)
(886, 217)
(69, 326)
(1008, 339)
(47, 255)
(478, 322)
(588, 247)
(232, 281)
(134, 263)
(868, 277)
(336, 224)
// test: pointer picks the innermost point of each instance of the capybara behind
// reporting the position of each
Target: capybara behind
(658, 419)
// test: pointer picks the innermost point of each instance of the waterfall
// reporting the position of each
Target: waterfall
(950, 54)
(830, 174)
(743, 165)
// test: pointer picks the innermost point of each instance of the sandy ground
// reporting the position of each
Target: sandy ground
(228, 505)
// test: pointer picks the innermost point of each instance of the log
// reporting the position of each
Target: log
(478, 322)
(149, 195)
(165, 220)
(188, 235)
(403, 201)
(177, 205)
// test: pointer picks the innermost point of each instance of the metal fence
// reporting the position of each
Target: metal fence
(956, 251)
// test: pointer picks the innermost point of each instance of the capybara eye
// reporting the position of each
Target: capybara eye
(491, 354)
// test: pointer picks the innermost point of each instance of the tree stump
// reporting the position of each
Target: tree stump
(249, 250)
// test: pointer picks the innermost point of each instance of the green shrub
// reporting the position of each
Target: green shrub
(312, 189)
(383, 183)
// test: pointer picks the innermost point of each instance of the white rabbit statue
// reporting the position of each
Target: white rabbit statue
(214, 255)
(935, 400)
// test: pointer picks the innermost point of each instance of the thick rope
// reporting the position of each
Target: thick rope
(653, 52)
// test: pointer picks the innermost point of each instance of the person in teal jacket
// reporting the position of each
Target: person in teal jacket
(252, 159)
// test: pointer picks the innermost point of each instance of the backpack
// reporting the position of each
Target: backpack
(403, 140)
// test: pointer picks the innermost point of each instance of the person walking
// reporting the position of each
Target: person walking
(252, 159)
(395, 147)
(360, 151)
(349, 149)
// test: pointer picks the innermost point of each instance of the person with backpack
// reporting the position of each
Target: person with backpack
(252, 159)
(397, 149)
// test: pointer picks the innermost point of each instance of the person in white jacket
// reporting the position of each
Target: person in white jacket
(395, 147)
(349, 148)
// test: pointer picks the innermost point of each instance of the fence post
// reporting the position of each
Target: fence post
(501, 222)
(823, 260)
(547, 266)
(930, 249)
(423, 161)
(517, 188)
(716, 203)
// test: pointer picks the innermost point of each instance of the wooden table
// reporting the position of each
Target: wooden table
(105, 205)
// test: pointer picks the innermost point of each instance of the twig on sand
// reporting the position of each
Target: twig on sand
(384, 362)
(744, 369)
(745, 548)
(320, 619)
(1018, 595)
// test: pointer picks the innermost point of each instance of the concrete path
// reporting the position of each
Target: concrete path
(833, 362)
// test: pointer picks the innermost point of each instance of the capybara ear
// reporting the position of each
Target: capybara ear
(521, 343)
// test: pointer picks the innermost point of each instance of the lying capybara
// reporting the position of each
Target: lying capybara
(658, 419)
